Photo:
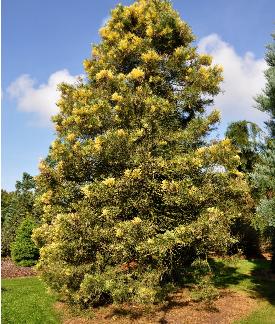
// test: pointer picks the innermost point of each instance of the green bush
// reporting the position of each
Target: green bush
(23, 250)
(204, 291)
(15, 207)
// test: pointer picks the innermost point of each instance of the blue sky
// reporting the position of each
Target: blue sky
(45, 42)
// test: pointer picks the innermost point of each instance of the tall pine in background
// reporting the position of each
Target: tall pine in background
(266, 101)
(246, 137)
(264, 174)
(131, 191)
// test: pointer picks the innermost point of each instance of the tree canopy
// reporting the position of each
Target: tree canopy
(131, 190)
(266, 101)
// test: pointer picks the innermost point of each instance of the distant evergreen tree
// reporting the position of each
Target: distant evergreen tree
(23, 250)
(264, 174)
(264, 178)
(266, 101)
(245, 136)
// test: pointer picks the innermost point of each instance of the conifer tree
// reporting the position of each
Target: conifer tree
(245, 136)
(264, 178)
(264, 175)
(266, 101)
(131, 191)
(23, 250)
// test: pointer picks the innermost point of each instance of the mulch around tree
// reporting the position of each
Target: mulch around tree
(229, 307)
(10, 270)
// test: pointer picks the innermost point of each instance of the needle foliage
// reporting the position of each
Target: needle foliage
(132, 193)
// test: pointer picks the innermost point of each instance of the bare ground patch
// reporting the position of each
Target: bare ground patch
(178, 310)
(10, 270)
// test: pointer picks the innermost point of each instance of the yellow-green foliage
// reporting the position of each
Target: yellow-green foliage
(131, 191)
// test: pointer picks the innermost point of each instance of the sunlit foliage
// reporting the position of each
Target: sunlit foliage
(132, 193)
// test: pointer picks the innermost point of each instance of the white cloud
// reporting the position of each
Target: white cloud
(243, 80)
(39, 99)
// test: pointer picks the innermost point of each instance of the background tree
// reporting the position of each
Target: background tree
(23, 250)
(246, 136)
(264, 175)
(6, 198)
(15, 207)
(266, 101)
(132, 192)
(264, 178)
(8, 209)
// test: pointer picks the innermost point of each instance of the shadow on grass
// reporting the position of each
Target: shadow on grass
(264, 280)
(226, 275)
(254, 275)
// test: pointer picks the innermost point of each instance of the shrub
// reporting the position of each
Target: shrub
(23, 250)
(205, 291)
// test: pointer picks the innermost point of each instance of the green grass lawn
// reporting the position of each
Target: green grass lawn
(264, 314)
(260, 287)
(24, 300)
(253, 278)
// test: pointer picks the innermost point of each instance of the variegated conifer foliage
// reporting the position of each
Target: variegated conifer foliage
(131, 191)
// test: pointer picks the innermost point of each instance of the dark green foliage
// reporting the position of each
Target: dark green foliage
(23, 250)
(16, 206)
(264, 174)
(248, 239)
(26, 186)
(266, 101)
(263, 177)
(246, 136)
(8, 221)
(6, 198)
